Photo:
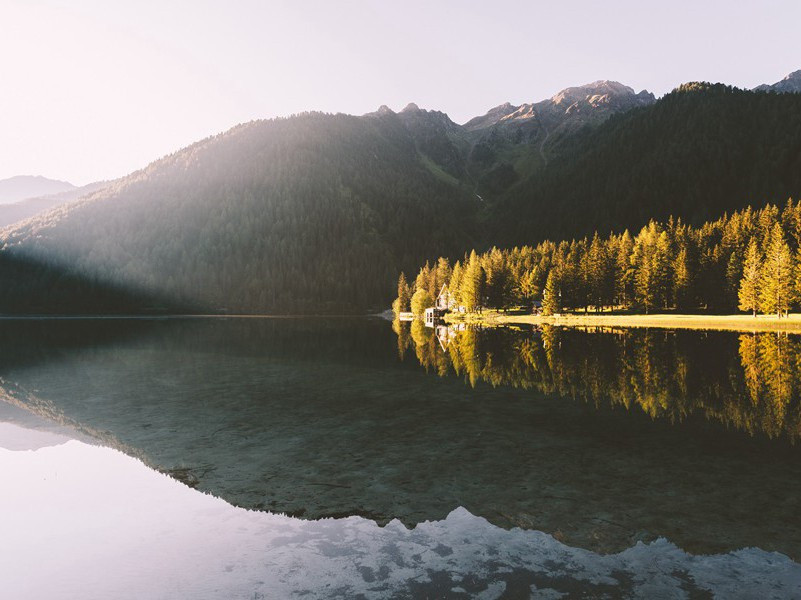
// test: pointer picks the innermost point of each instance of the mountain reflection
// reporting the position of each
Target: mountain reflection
(749, 381)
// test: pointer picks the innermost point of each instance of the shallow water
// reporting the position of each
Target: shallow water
(599, 439)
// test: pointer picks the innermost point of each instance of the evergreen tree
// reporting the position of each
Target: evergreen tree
(599, 274)
(648, 266)
(472, 288)
(455, 283)
(624, 270)
(404, 294)
(552, 295)
(749, 293)
(661, 268)
(734, 273)
(682, 279)
(497, 288)
(776, 289)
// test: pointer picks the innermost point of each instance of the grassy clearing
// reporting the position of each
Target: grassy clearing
(745, 323)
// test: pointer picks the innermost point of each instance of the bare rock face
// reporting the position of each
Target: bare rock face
(592, 101)
(790, 84)
(493, 116)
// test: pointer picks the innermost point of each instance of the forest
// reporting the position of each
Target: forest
(749, 261)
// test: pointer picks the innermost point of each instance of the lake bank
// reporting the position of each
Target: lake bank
(744, 323)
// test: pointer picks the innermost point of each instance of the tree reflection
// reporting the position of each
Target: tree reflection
(751, 382)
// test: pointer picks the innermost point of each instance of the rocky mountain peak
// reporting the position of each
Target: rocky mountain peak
(602, 95)
(790, 84)
(493, 116)
(597, 92)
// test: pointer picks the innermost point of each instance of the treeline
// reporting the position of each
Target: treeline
(750, 260)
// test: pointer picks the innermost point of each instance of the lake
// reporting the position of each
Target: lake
(261, 457)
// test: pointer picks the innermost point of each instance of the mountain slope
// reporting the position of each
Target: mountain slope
(312, 213)
(22, 187)
(510, 143)
(790, 84)
(698, 152)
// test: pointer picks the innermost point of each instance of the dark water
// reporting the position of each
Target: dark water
(601, 439)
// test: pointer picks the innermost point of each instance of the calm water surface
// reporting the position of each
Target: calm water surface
(600, 439)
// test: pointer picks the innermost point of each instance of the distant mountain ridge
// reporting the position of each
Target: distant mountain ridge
(20, 210)
(790, 84)
(496, 150)
(22, 187)
(318, 213)
(598, 95)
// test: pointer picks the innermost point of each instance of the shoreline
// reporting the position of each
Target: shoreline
(741, 323)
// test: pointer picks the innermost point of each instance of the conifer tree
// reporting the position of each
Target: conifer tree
(423, 278)
(776, 289)
(455, 283)
(472, 288)
(749, 293)
(404, 294)
(624, 271)
(599, 273)
(442, 274)
(682, 279)
(552, 295)
(661, 260)
(648, 266)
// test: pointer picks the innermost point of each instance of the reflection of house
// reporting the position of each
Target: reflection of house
(447, 333)
(536, 307)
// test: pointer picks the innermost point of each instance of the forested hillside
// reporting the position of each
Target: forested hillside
(312, 213)
(698, 152)
(318, 213)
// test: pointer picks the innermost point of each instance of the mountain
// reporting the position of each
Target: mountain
(698, 152)
(790, 84)
(314, 213)
(22, 187)
(24, 209)
(510, 142)
(318, 213)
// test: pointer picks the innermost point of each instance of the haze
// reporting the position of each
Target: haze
(98, 91)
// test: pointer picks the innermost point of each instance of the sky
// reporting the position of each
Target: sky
(96, 89)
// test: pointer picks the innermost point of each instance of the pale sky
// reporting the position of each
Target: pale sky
(95, 89)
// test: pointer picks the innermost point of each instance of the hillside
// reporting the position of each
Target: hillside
(22, 187)
(700, 151)
(319, 213)
(307, 214)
